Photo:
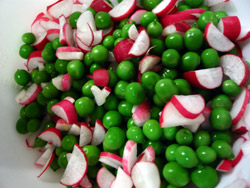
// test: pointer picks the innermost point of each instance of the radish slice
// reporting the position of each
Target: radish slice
(246, 148)
(164, 7)
(108, 31)
(98, 133)
(101, 6)
(86, 135)
(195, 12)
(224, 166)
(147, 155)
(61, 7)
(237, 151)
(76, 169)
(146, 175)
(239, 183)
(179, 28)
(110, 159)
(122, 180)
(86, 36)
(86, 183)
(240, 127)
(219, 7)
(216, 39)
(214, 2)
(190, 106)
(82, 46)
(45, 156)
(133, 33)
(129, 156)
(98, 36)
(48, 24)
(85, 19)
(101, 77)
(66, 82)
(121, 50)
(114, 2)
(62, 125)
(235, 68)
(148, 63)
(34, 59)
(104, 178)
(100, 98)
(244, 34)
(68, 34)
(51, 135)
(36, 27)
(206, 78)
(57, 82)
(239, 106)
(106, 91)
(62, 21)
(69, 53)
(74, 130)
(86, 4)
(53, 34)
(178, 18)
(141, 114)
(141, 45)
(77, 7)
(41, 41)
(136, 16)
(46, 166)
(123, 9)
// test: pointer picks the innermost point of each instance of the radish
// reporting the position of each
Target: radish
(62, 125)
(190, 106)
(45, 156)
(62, 21)
(133, 33)
(65, 110)
(101, 6)
(46, 166)
(239, 183)
(230, 26)
(224, 166)
(77, 7)
(205, 78)
(214, 2)
(136, 16)
(123, 9)
(171, 117)
(235, 68)
(147, 155)
(179, 28)
(122, 49)
(98, 36)
(86, 183)
(237, 151)
(81, 45)
(25, 97)
(100, 97)
(36, 27)
(106, 91)
(164, 7)
(239, 106)
(178, 18)
(195, 12)
(34, 59)
(141, 113)
(114, 2)
(41, 41)
(217, 39)
(86, 135)
(240, 127)
(76, 169)
(122, 180)
(52, 135)
(48, 24)
(148, 63)
(86, 18)
(86, 36)
(219, 6)
(74, 130)
(244, 34)
(61, 7)
(108, 31)
(98, 133)
(110, 159)
(68, 34)
(69, 53)
(146, 175)
(141, 45)
(246, 148)
(129, 156)
(101, 77)
(246, 117)
(104, 178)
(62, 82)
(86, 4)
(52, 34)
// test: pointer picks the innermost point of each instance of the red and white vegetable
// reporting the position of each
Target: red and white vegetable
(52, 136)
(111, 159)
(129, 156)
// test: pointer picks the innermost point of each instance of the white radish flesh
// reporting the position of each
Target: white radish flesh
(129, 156)
(69, 53)
(122, 180)
(141, 114)
(86, 135)
(148, 63)
(104, 178)
(123, 9)
(98, 133)
(111, 159)
(51, 135)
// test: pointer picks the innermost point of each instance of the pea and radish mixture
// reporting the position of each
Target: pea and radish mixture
(126, 93)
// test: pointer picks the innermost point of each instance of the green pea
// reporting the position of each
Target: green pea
(73, 19)
(108, 42)
(154, 112)
(54, 164)
(97, 114)
(158, 101)
(102, 20)
(68, 142)
(56, 43)
(21, 126)
(39, 143)
(88, 59)
(50, 104)
(210, 58)
(171, 58)
(194, 3)
(135, 134)
(22, 112)
(49, 45)
(33, 125)
(206, 154)
(25, 51)
(222, 101)
(220, 119)
(61, 66)
(50, 91)
(186, 157)
(22, 77)
(183, 86)
(220, 14)
(147, 18)
(28, 38)
(92, 172)
(168, 73)
(100, 54)
(205, 18)
(48, 55)
(51, 69)
(150, 4)
(125, 29)
(201, 138)
(230, 88)
(123, 22)
(92, 10)
(92, 152)
(152, 130)
(117, 34)
(49, 124)
(157, 45)
(111, 103)
(183, 7)
(126, 70)
(125, 108)
(222, 135)
(184, 137)
(112, 119)
(114, 139)
(113, 78)
(95, 67)
(134, 93)
(84, 106)
(205, 7)
(190, 61)
(33, 110)
(62, 160)
(154, 29)
(223, 149)
(130, 123)
(175, 41)
(41, 77)
(193, 39)
(170, 132)
(76, 69)
(58, 151)
(149, 79)
(170, 152)
(86, 89)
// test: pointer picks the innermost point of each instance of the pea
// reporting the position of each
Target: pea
(54, 164)
(25, 51)
(206, 154)
(125, 108)
(41, 77)
(102, 20)
(147, 18)
(118, 40)
(223, 149)
(158, 101)
(100, 54)
(135, 134)
(56, 43)
(170, 132)
(220, 119)
(154, 112)
(126, 70)
(22, 112)
(49, 45)
(149, 79)
(123, 22)
(73, 19)
(68, 142)
(33, 125)
(97, 114)
(170, 152)
(108, 42)
(58, 152)
(117, 34)
(28, 38)
(220, 14)
(111, 103)
(113, 78)
(51, 69)
(175, 41)
(157, 45)
(49, 124)
(168, 73)
(50, 91)
(130, 123)
(210, 58)
(201, 138)
(48, 55)
(206, 17)
(193, 39)
(230, 88)
(21, 126)
(125, 29)
(222, 135)
(184, 137)
(76, 69)
(33, 110)
(183, 7)
(171, 58)
(183, 86)
(112, 119)
(186, 157)
(190, 61)
(92, 152)
(22, 77)
(114, 138)
(39, 143)
(154, 29)
(62, 160)
(86, 89)
(152, 130)
(84, 106)
(194, 3)
(88, 59)
(222, 101)
(50, 104)
(150, 4)
(205, 7)
(61, 66)
(134, 93)
(157, 146)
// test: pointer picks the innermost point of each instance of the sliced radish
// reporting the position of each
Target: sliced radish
(98, 36)
(195, 12)
(148, 63)
(240, 127)
(219, 7)
(141, 114)
(25, 97)
(164, 7)
(34, 59)
(246, 148)
(101, 6)
(141, 45)
(101, 77)
(48, 23)
(244, 34)
(147, 155)
(109, 30)
(129, 156)
(52, 135)
(74, 130)
(86, 183)
(61, 7)
(179, 28)
(86, 36)
(86, 4)
(68, 34)
(42, 160)
(136, 16)
(62, 125)
(239, 105)
(237, 151)
(53, 34)
(104, 178)
(76, 169)
(46, 166)
(98, 133)
(123, 9)
(66, 82)
(224, 166)
(177, 18)
(36, 27)
(235, 68)
(57, 82)
(190, 106)
(65, 110)
(41, 41)
(114, 2)
(206, 78)
(122, 180)
(133, 33)
(69, 53)
(106, 91)
(217, 39)
(77, 7)
(82, 46)
(86, 135)
(121, 50)
(99, 96)
(146, 175)
(86, 18)
(62, 22)
(239, 183)
(110, 159)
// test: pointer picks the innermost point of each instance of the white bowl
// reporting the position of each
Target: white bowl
(16, 160)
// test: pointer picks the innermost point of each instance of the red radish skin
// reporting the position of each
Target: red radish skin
(86, 135)
(111, 159)
(68, 34)
(244, 34)
(53, 34)
(121, 50)
(61, 7)
(101, 6)
(240, 127)
(69, 53)
(52, 136)
(141, 114)
(41, 41)
(76, 169)
(36, 27)
(48, 23)
(62, 21)
(190, 106)
(148, 63)
(177, 18)
(205, 78)
(224, 166)
(147, 155)
(129, 156)
(86, 183)
(101, 77)
(104, 178)
(122, 10)
(122, 180)
(34, 59)
(164, 7)
(106, 91)
(136, 16)
(62, 125)
(98, 133)
(237, 151)
(179, 28)
(66, 82)
(215, 2)
(86, 18)
(239, 50)
(42, 160)
(46, 166)
(217, 39)
(195, 12)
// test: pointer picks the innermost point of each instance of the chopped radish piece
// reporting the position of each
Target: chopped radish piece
(129, 156)
(133, 33)
(106, 91)
(121, 50)
(195, 12)
(219, 6)
(52, 135)
(239, 183)
(147, 155)
(114, 2)
(136, 16)
(224, 166)
(104, 178)
(110, 159)
(82, 46)
(86, 36)
(77, 7)
(62, 21)
(52, 34)
(86, 4)
(101, 77)
(86, 183)
(61, 7)
(108, 31)
(98, 133)
(36, 27)
(86, 135)
(122, 180)
(69, 53)
(239, 105)
(214, 2)
(240, 127)
(246, 148)
(235, 68)
(246, 117)
(179, 28)
(217, 39)
(99, 96)
(85, 19)
(48, 24)
(25, 97)
(206, 78)
(146, 175)
(148, 63)
(190, 106)
(237, 151)
(141, 114)
(62, 125)
(101, 6)
(123, 9)
(68, 34)
(62, 82)
(74, 130)
(45, 156)
(244, 34)
(46, 166)
(41, 41)
(76, 169)
(177, 18)
(164, 7)
(34, 59)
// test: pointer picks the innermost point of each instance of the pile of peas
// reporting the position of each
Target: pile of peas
(181, 156)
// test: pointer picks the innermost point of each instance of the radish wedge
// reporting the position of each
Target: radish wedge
(148, 63)
(62, 82)
(101, 6)
(224, 166)
(206, 78)
(86, 183)
(82, 46)
(121, 50)
(68, 34)
(98, 133)
(129, 156)
(164, 7)
(136, 16)
(86, 135)
(216, 39)
(133, 33)
(147, 155)
(51, 135)
(235, 68)
(100, 97)
(104, 178)
(122, 180)
(239, 183)
(85, 19)
(69, 53)
(101, 77)
(52, 34)
(86, 36)
(76, 169)
(46, 166)
(177, 18)
(246, 148)
(179, 28)
(48, 23)
(239, 106)
(110, 159)
(190, 106)
(141, 113)
(61, 7)
(45, 156)
(146, 175)
(195, 12)
(244, 34)
(74, 130)
(123, 9)
(62, 22)
(34, 59)
(62, 125)
(237, 151)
